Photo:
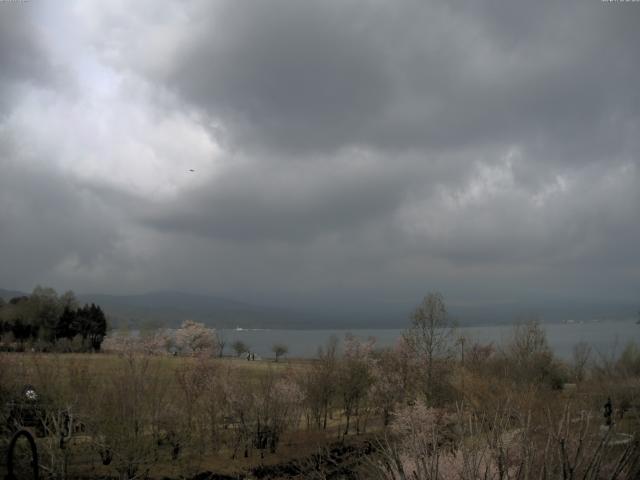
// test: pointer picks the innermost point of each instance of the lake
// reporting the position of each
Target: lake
(605, 337)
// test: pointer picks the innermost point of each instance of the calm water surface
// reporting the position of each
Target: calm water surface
(605, 337)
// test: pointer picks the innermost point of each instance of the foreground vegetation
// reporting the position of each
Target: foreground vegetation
(433, 407)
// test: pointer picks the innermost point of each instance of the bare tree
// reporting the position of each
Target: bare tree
(239, 347)
(529, 339)
(319, 384)
(529, 358)
(222, 342)
(392, 376)
(120, 420)
(581, 353)
(355, 378)
(430, 334)
(279, 349)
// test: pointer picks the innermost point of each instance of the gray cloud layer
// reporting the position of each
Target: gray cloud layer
(359, 149)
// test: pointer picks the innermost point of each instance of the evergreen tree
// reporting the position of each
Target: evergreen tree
(97, 327)
(65, 327)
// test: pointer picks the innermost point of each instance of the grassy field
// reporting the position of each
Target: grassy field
(57, 375)
(106, 363)
(157, 416)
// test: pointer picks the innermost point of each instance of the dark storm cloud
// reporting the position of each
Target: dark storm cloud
(297, 75)
(23, 59)
(293, 203)
(558, 81)
(320, 76)
(486, 148)
(591, 226)
(47, 220)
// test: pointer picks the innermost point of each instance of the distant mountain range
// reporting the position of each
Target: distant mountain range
(166, 308)
(171, 308)
(9, 294)
(155, 309)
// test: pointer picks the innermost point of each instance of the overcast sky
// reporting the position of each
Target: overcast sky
(344, 151)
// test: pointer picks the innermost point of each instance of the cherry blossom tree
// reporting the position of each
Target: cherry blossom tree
(194, 338)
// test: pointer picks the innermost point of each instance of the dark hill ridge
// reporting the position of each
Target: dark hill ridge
(168, 299)
(170, 308)
(7, 295)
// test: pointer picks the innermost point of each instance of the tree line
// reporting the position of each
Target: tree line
(44, 321)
